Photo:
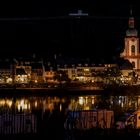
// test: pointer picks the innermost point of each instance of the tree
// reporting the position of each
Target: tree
(134, 77)
(125, 64)
(113, 72)
(112, 75)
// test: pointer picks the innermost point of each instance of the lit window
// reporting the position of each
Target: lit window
(86, 69)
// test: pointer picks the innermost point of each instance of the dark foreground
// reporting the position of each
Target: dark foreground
(77, 135)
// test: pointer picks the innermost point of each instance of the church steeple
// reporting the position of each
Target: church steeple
(131, 24)
(131, 49)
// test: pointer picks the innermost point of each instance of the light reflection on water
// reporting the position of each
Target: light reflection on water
(85, 102)
(46, 114)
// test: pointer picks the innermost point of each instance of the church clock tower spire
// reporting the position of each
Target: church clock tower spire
(131, 48)
(131, 20)
(131, 24)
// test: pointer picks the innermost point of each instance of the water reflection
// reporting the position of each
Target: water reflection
(85, 102)
(47, 114)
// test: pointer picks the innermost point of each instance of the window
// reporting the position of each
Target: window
(133, 48)
(86, 69)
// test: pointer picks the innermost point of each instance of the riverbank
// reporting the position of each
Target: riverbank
(64, 91)
(49, 91)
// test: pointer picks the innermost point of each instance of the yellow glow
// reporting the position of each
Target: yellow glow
(86, 69)
(23, 105)
(93, 100)
(9, 80)
(122, 105)
(81, 100)
(51, 106)
(63, 100)
(9, 103)
(60, 107)
(2, 102)
(86, 107)
(35, 103)
(18, 107)
(86, 101)
(29, 106)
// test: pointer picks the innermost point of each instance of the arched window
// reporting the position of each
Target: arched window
(133, 48)
(133, 64)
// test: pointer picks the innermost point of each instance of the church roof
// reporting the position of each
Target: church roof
(131, 32)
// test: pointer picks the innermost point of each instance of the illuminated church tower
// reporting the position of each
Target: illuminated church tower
(131, 50)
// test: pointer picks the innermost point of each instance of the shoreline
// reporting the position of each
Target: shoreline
(48, 91)
(65, 91)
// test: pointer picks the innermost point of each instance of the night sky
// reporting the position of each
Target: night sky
(44, 28)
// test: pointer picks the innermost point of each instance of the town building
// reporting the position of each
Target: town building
(6, 71)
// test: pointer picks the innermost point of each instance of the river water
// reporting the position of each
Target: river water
(47, 113)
